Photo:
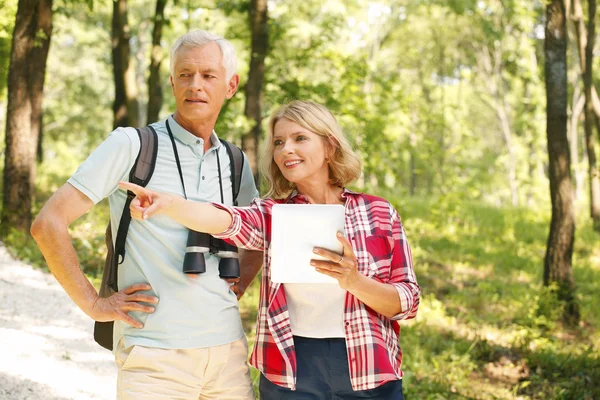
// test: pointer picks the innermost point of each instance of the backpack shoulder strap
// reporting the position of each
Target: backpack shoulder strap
(236, 158)
(140, 174)
(143, 168)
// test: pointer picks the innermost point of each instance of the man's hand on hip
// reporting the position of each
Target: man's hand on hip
(117, 306)
(236, 286)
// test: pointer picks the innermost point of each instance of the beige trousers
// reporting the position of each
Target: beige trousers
(214, 373)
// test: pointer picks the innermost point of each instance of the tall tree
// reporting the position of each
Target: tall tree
(594, 173)
(155, 95)
(259, 26)
(585, 41)
(557, 264)
(125, 106)
(30, 46)
(577, 107)
(490, 60)
(7, 25)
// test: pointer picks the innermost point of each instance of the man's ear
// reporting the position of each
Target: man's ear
(232, 86)
(172, 84)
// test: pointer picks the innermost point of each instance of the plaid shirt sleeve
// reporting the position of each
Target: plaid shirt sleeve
(247, 225)
(403, 276)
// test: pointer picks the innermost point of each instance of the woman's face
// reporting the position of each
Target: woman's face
(299, 153)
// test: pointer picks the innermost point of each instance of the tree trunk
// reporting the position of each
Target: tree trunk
(413, 151)
(512, 162)
(125, 106)
(577, 107)
(259, 26)
(155, 96)
(30, 46)
(531, 164)
(429, 127)
(585, 43)
(490, 62)
(40, 142)
(594, 174)
(559, 251)
(441, 137)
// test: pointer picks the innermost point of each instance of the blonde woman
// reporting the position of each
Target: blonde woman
(317, 341)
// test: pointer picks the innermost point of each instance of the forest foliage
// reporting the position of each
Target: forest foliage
(445, 103)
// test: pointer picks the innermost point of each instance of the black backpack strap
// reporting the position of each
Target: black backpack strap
(140, 174)
(236, 158)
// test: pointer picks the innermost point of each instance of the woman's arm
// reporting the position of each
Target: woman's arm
(402, 275)
(244, 226)
(200, 217)
(381, 297)
(399, 297)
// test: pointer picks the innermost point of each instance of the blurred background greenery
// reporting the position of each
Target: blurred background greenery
(444, 101)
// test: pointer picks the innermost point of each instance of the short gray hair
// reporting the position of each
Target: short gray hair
(199, 38)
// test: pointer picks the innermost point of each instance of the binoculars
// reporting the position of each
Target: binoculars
(198, 244)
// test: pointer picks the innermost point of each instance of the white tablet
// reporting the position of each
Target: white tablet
(295, 230)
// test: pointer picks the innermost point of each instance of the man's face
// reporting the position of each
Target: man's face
(199, 83)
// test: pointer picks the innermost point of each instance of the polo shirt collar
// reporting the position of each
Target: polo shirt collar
(186, 137)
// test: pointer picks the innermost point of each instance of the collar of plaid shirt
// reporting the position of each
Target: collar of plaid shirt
(380, 245)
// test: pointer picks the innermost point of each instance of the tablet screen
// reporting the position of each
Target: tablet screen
(296, 229)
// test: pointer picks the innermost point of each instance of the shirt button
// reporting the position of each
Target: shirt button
(198, 141)
(203, 178)
(347, 323)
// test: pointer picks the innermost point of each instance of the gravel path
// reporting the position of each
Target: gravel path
(47, 351)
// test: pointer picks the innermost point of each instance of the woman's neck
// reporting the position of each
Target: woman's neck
(320, 194)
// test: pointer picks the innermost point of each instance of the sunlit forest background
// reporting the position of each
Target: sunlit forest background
(446, 103)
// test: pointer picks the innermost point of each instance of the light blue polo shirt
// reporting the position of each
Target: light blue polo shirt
(191, 313)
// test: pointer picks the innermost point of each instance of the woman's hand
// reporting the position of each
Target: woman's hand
(381, 297)
(343, 267)
(147, 202)
(197, 216)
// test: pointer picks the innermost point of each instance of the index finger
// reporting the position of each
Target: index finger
(136, 287)
(345, 244)
(137, 189)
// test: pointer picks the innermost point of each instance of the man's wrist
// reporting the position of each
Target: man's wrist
(91, 306)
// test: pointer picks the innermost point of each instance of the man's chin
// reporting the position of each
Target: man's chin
(196, 107)
(195, 103)
(195, 113)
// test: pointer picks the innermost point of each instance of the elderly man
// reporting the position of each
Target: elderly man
(174, 337)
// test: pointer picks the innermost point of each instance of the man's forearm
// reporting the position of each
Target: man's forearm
(55, 244)
(250, 263)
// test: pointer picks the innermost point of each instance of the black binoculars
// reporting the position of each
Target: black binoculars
(198, 244)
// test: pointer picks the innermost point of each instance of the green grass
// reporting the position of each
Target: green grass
(486, 329)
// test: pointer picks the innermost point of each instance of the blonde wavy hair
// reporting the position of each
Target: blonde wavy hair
(344, 163)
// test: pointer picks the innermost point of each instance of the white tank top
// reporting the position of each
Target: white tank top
(316, 309)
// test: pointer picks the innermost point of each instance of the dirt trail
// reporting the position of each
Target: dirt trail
(46, 347)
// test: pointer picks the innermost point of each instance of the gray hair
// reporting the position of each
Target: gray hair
(199, 38)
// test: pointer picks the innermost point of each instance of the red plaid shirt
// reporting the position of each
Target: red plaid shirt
(381, 248)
